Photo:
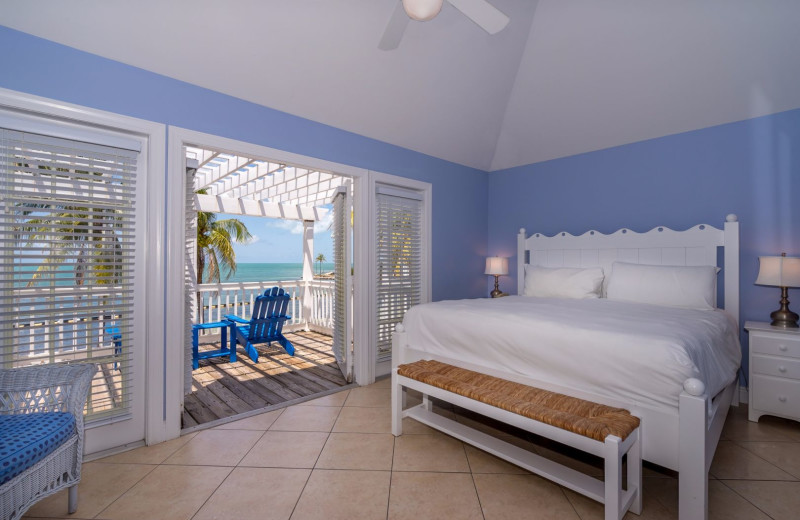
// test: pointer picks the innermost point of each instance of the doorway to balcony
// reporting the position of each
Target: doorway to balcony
(308, 257)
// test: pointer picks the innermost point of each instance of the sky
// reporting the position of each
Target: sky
(281, 241)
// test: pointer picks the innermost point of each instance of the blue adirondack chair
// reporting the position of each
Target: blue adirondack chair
(265, 324)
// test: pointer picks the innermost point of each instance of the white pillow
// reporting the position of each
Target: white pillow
(691, 287)
(563, 282)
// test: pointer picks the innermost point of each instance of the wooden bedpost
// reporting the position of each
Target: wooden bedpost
(399, 342)
(521, 261)
(731, 274)
(692, 454)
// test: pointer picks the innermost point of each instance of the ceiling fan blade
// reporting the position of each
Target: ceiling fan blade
(394, 29)
(491, 19)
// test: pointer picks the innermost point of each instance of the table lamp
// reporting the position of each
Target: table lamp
(496, 266)
(779, 271)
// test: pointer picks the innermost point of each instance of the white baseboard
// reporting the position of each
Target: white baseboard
(743, 395)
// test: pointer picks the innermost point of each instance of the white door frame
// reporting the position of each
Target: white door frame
(426, 189)
(149, 295)
(180, 137)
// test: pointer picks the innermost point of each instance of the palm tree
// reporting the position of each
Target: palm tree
(320, 258)
(215, 239)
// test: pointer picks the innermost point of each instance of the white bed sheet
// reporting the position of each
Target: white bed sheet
(626, 351)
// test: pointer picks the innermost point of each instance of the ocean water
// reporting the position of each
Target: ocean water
(246, 272)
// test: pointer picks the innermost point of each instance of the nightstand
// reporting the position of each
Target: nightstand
(774, 371)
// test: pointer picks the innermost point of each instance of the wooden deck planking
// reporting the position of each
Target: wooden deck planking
(223, 389)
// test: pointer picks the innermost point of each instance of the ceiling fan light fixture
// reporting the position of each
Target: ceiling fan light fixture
(422, 10)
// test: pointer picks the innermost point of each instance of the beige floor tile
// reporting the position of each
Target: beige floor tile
(652, 509)
(384, 382)
(482, 462)
(779, 500)
(100, 485)
(344, 495)
(369, 396)
(155, 454)
(260, 422)
(336, 399)
(215, 448)
(256, 494)
(738, 428)
(436, 452)
(522, 496)
(723, 504)
(785, 455)
(367, 451)
(358, 419)
(168, 492)
(306, 419)
(286, 450)
(731, 461)
(418, 495)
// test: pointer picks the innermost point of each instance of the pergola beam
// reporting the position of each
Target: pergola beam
(256, 208)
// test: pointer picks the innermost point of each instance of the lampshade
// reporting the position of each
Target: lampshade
(780, 271)
(496, 265)
(422, 10)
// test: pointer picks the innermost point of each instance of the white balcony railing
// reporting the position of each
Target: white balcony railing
(217, 300)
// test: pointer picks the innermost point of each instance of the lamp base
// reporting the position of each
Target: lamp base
(783, 317)
(496, 293)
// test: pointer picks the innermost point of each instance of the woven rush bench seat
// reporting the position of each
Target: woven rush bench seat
(596, 421)
(601, 430)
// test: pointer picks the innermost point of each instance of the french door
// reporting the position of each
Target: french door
(71, 263)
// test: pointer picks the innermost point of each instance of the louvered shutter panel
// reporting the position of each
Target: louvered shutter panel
(189, 278)
(67, 226)
(341, 261)
(399, 215)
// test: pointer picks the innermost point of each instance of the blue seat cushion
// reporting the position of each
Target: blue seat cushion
(25, 439)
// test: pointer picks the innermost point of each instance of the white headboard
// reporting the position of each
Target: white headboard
(659, 246)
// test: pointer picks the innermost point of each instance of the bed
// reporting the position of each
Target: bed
(681, 385)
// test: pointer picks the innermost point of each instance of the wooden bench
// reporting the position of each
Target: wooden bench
(601, 430)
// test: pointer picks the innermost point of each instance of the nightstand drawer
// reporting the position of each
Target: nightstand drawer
(776, 366)
(775, 346)
(781, 396)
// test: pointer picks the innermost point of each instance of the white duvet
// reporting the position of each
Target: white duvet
(633, 352)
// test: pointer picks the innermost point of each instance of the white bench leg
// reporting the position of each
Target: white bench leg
(635, 472)
(427, 403)
(398, 398)
(613, 477)
(73, 499)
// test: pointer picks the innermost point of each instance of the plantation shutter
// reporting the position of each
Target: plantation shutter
(67, 225)
(342, 337)
(399, 252)
(189, 276)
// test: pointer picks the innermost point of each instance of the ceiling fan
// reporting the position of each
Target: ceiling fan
(488, 17)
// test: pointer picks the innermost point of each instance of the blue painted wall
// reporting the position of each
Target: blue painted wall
(750, 168)
(37, 66)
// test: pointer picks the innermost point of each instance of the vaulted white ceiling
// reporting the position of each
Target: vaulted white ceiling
(565, 77)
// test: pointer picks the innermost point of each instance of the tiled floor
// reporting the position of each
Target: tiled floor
(335, 458)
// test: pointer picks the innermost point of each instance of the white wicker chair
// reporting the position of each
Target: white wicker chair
(37, 389)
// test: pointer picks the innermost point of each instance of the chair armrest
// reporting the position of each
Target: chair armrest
(237, 319)
(66, 388)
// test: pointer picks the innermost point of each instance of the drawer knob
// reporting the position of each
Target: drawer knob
(783, 348)
(781, 368)
(782, 398)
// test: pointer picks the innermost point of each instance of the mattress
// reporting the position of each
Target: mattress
(625, 351)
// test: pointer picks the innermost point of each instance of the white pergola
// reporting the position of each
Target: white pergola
(262, 188)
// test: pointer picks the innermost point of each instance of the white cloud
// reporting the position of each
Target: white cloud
(295, 227)
(254, 239)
